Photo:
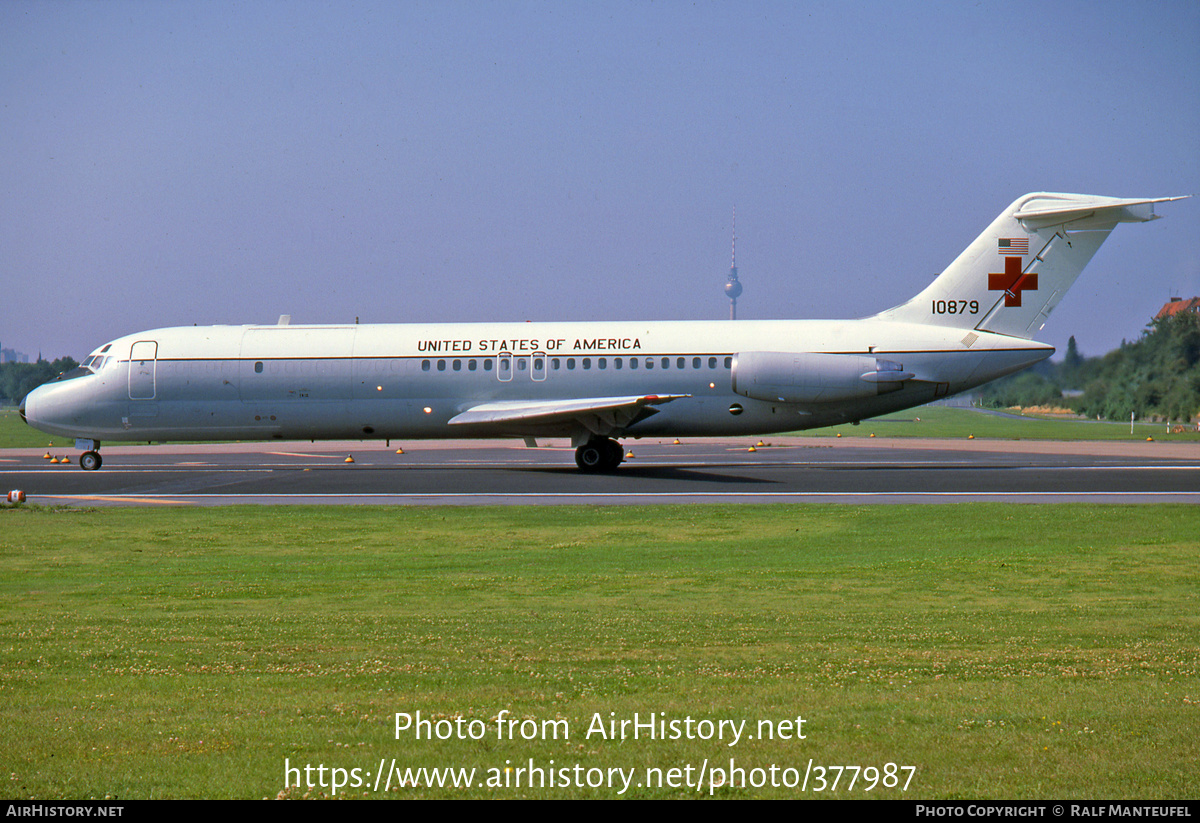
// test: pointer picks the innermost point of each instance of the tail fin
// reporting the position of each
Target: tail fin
(1013, 275)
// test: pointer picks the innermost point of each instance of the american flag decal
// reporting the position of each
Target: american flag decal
(1014, 245)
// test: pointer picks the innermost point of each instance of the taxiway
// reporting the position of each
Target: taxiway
(783, 469)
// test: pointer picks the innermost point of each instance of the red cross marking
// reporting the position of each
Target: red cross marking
(1012, 282)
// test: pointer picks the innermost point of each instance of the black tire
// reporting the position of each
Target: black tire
(600, 455)
(90, 461)
(591, 456)
(616, 455)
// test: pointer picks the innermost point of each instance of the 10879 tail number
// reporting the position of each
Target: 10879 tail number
(956, 307)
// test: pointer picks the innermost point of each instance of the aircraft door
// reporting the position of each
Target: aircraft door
(142, 366)
(537, 366)
(504, 367)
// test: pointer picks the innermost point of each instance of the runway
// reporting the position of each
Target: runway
(783, 469)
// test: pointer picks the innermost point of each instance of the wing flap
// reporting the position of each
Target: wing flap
(600, 415)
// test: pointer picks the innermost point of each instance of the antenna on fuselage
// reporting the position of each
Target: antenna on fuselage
(733, 286)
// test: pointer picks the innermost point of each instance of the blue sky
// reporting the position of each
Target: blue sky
(170, 163)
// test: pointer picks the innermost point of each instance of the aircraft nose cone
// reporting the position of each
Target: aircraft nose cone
(63, 407)
(32, 408)
(26, 409)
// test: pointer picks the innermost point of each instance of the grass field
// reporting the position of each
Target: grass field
(1000, 651)
(944, 421)
(15, 434)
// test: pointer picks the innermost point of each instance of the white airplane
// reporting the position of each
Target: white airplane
(592, 382)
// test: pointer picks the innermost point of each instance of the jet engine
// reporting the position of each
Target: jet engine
(808, 377)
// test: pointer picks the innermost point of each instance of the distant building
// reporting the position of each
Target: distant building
(1178, 305)
(13, 356)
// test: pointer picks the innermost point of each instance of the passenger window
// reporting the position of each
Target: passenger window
(457, 365)
(554, 363)
(441, 365)
(681, 363)
(649, 362)
(712, 362)
(728, 362)
(633, 362)
(258, 367)
(521, 363)
(470, 365)
(487, 365)
(587, 362)
(602, 363)
(666, 362)
(424, 365)
(617, 362)
(695, 362)
(570, 363)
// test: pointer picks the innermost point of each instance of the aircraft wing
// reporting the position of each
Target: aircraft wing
(599, 415)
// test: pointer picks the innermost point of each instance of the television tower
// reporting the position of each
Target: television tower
(733, 287)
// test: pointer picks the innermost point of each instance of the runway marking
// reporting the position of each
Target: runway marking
(128, 498)
(173, 468)
(298, 454)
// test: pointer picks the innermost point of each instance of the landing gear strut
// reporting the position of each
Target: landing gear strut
(90, 461)
(599, 455)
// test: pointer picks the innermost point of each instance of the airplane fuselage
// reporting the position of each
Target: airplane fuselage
(411, 381)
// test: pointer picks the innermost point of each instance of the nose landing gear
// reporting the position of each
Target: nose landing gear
(600, 454)
(90, 460)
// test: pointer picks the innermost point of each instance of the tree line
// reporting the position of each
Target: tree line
(1156, 376)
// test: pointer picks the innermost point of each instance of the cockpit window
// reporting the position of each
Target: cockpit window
(94, 363)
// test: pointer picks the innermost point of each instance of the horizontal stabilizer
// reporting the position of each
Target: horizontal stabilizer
(1056, 209)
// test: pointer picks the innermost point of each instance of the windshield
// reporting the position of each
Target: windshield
(95, 362)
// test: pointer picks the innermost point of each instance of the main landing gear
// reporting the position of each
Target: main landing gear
(599, 455)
